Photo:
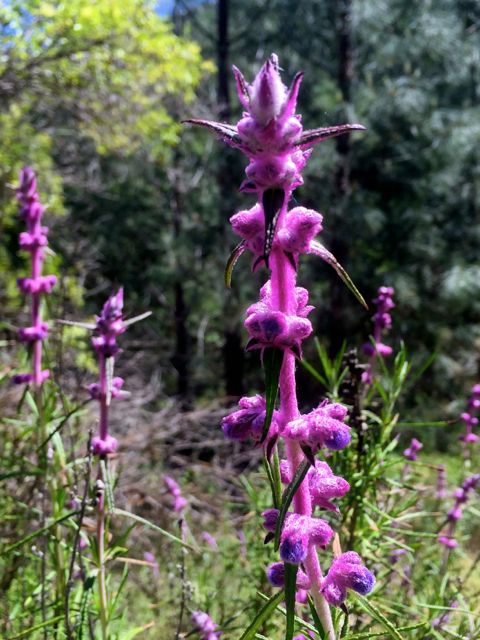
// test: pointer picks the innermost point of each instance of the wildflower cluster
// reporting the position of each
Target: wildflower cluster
(272, 137)
(33, 241)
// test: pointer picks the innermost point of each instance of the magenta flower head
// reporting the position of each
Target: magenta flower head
(322, 427)
(298, 534)
(346, 572)
(34, 242)
(270, 328)
(411, 452)
(248, 421)
(205, 626)
(272, 137)
(322, 483)
(179, 502)
(110, 325)
(210, 539)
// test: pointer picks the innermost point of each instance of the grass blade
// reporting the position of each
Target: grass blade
(290, 591)
(264, 613)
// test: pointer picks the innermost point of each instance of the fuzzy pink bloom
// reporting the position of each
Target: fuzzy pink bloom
(346, 572)
(322, 483)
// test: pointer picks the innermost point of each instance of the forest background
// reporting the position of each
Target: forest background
(92, 97)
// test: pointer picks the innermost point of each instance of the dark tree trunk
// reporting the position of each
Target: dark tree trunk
(182, 356)
(233, 354)
(222, 57)
(342, 174)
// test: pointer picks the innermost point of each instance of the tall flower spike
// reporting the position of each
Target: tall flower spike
(34, 242)
(454, 515)
(470, 421)
(272, 138)
(382, 320)
(108, 326)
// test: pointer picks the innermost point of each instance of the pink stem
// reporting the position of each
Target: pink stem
(36, 260)
(283, 282)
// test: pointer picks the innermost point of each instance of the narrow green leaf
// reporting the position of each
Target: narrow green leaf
(87, 587)
(290, 591)
(367, 634)
(132, 633)
(300, 622)
(271, 481)
(264, 613)
(277, 482)
(319, 250)
(39, 531)
(315, 618)
(19, 474)
(32, 404)
(290, 491)
(27, 632)
(375, 613)
(424, 424)
(273, 201)
(126, 514)
(232, 259)
(314, 372)
(272, 363)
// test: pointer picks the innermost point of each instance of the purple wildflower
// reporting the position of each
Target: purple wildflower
(205, 626)
(470, 420)
(442, 482)
(33, 241)
(411, 452)
(346, 572)
(272, 137)
(149, 557)
(322, 483)
(270, 328)
(299, 533)
(248, 421)
(179, 502)
(210, 539)
(108, 326)
(382, 320)
(321, 427)
(454, 515)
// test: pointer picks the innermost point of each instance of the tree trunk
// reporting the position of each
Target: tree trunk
(339, 245)
(233, 354)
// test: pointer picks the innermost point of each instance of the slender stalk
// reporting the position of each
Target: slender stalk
(102, 589)
(103, 431)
